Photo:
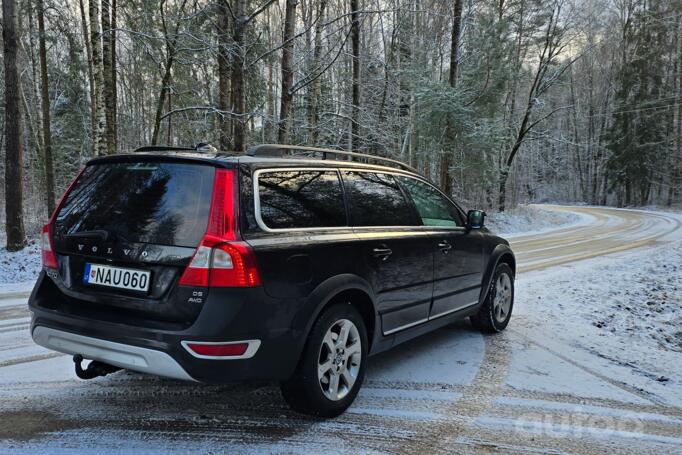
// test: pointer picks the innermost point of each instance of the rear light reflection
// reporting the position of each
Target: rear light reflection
(217, 350)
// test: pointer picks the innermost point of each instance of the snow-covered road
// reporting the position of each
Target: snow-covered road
(591, 362)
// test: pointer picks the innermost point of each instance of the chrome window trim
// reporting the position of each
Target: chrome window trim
(339, 170)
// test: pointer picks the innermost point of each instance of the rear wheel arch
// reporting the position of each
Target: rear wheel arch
(351, 288)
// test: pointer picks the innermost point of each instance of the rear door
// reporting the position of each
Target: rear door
(295, 220)
(398, 254)
(458, 252)
(123, 220)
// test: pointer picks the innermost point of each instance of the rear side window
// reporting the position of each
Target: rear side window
(434, 209)
(159, 203)
(376, 200)
(301, 199)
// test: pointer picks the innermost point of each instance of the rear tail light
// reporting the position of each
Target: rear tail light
(222, 260)
(47, 252)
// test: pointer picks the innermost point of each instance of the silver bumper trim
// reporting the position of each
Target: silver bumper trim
(121, 355)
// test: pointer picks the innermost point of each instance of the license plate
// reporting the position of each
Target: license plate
(116, 277)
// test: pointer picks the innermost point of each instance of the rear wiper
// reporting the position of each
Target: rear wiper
(94, 234)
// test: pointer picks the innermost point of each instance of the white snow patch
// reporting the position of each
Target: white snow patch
(575, 408)
(555, 429)
(620, 314)
(20, 266)
(451, 355)
(532, 219)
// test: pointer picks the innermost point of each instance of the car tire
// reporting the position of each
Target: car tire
(493, 316)
(338, 361)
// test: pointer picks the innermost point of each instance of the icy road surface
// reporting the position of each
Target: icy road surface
(591, 363)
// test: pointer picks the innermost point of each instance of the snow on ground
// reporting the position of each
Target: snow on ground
(526, 219)
(21, 266)
(626, 309)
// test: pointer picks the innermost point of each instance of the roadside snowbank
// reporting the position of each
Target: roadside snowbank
(530, 218)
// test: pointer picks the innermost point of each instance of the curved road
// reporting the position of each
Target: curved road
(526, 390)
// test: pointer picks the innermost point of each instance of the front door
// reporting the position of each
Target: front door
(398, 254)
(458, 252)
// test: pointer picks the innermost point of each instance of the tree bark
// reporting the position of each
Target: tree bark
(91, 78)
(355, 43)
(316, 89)
(14, 146)
(114, 76)
(223, 29)
(238, 95)
(287, 70)
(446, 155)
(107, 70)
(100, 142)
(45, 107)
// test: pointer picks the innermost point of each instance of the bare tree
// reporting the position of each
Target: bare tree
(108, 69)
(171, 40)
(45, 107)
(99, 141)
(287, 70)
(446, 155)
(14, 146)
(355, 44)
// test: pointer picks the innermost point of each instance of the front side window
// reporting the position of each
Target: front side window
(434, 209)
(376, 200)
(301, 199)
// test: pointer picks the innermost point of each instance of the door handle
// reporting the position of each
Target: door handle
(444, 246)
(382, 253)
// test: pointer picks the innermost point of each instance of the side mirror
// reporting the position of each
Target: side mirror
(475, 219)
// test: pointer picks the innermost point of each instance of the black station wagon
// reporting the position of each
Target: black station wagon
(292, 264)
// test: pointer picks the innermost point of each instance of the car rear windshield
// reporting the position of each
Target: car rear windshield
(159, 203)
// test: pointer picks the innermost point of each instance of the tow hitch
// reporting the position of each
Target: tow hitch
(95, 368)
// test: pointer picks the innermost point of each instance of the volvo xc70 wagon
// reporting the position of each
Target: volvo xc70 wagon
(289, 263)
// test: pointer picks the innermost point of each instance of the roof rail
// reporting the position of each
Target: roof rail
(161, 148)
(200, 147)
(275, 150)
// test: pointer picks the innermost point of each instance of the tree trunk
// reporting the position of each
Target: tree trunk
(446, 155)
(107, 70)
(113, 77)
(355, 42)
(223, 29)
(14, 146)
(91, 77)
(287, 70)
(45, 107)
(316, 89)
(238, 95)
(99, 138)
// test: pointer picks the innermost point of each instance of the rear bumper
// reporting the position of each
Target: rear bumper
(228, 315)
(121, 355)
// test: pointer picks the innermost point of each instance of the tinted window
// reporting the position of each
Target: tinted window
(376, 200)
(161, 203)
(301, 199)
(434, 209)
